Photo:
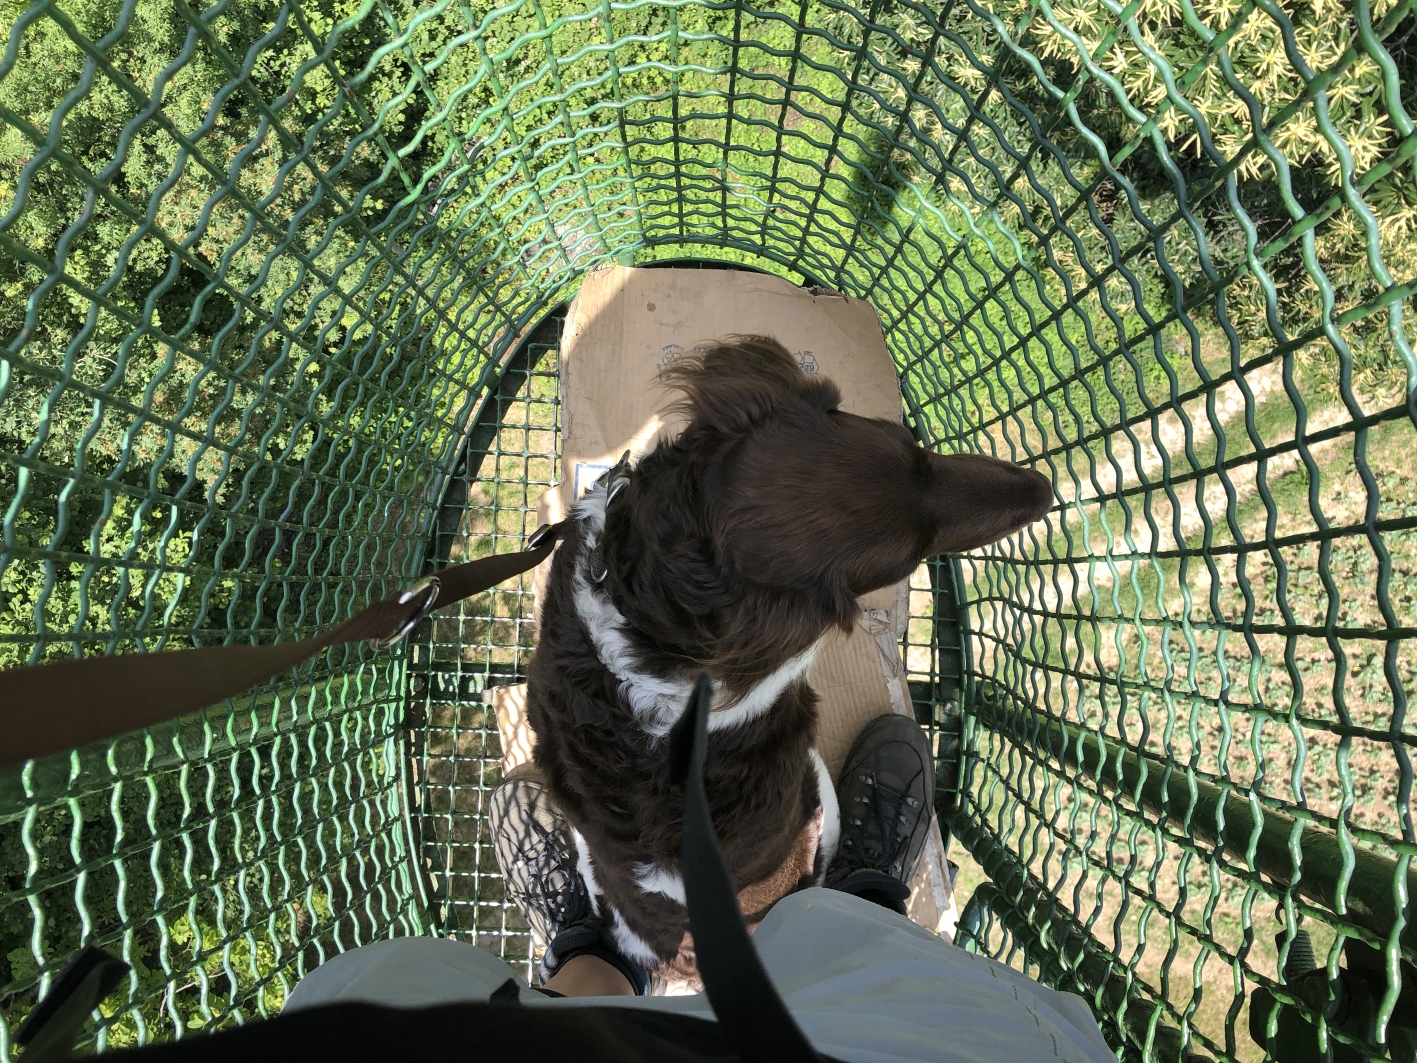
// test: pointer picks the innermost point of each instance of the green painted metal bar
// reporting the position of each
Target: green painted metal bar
(1291, 852)
(1068, 956)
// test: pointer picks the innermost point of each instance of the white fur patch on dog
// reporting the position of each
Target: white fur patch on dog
(831, 811)
(656, 700)
(654, 879)
(587, 870)
(629, 943)
(762, 697)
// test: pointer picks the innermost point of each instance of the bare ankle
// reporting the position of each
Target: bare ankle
(589, 976)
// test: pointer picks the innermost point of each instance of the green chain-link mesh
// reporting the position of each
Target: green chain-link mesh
(264, 265)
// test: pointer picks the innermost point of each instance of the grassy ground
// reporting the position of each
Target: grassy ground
(969, 877)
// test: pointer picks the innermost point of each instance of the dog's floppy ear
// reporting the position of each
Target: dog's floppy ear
(741, 381)
(977, 500)
(852, 504)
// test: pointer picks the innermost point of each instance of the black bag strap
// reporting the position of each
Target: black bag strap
(50, 1030)
(50, 708)
(755, 1020)
(479, 1033)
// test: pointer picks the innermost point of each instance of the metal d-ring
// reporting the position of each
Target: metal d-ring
(428, 587)
(596, 568)
(616, 479)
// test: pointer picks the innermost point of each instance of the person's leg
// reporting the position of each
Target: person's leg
(864, 981)
(536, 851)
(860, 978)
(411, 972)
(885, 794)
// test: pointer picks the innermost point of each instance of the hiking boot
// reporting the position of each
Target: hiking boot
(536, 851)
(885, 797)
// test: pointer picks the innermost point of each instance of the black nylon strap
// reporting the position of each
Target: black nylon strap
(50, 1030)
(50, 708)
(752, 1014)
(485, 1033)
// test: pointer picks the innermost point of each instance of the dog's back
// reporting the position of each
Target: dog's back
(607, 767)
(734, 548)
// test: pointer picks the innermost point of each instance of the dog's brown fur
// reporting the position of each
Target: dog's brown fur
(735, 548)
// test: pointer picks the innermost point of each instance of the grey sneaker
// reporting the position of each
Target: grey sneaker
(537, 854)
(885, 798)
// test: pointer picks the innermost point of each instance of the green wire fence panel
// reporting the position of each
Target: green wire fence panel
(270, 276)
(460, 654)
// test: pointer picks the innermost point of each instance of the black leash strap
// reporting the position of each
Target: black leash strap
(50, 708)
(752, 1014)
(50, 1030)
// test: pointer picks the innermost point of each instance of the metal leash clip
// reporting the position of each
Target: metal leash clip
(427, 587)
(615, 481)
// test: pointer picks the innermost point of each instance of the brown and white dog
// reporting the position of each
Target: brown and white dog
(734, 548)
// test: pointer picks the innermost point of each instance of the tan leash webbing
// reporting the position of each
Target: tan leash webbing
(61, 705)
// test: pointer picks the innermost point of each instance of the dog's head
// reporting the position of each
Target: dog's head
(800, 493)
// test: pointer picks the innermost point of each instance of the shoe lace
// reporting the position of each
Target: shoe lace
(547, 879)
(890, 826)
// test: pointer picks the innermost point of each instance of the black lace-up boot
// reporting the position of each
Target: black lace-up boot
(885, 797)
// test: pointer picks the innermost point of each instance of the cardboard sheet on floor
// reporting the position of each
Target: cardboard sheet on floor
(625, 326)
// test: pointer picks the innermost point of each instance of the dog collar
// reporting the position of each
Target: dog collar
(615, 481)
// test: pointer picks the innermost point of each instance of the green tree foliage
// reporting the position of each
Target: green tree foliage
(1163, 103)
